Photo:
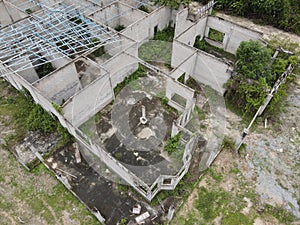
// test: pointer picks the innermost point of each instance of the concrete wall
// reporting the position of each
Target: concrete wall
(211, 71)
(106, 15)
(28, 74)
(14, 13)
(188, 37)
(200, 65)
(174, 87)
(182, 24)
(118, 46)
(58, 63)
(120, 66)
(144, 29)
(129, 15)
(234, 34)
(5, 18)
(181, 53)
(88, 71)
(60, 85)
(88, 101)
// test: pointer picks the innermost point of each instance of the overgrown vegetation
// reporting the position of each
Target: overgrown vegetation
(140, 72)
(215, 35)
(44, 69)
(28, 11)
(25, 115)
(203, 45)
(182, 190)
(144, 8)
(173, 144)
(97, 53)
(255, 78)
(228, 143)
(51, 205)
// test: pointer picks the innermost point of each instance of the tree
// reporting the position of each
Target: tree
(284, 14)
(254, 60)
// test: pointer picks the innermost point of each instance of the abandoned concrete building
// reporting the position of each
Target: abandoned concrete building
(93, 45)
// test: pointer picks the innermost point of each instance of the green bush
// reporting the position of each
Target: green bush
(173, 143)
(40, 120)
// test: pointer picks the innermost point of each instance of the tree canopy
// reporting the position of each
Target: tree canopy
(255, 77)
(284, 14)
(254, 60)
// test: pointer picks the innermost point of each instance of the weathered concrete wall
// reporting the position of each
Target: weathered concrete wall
(120, 67)
(211, 71)
(107, 16)
(200, 65)
(58, 63)
(61, 85)
(186, 31)
(118, 46)
(198, 29)
(181, 53)
(129, 15)
(28, 74)
(174, 87)
(88, 101)
(5, 18)
(234, 34)
(144, 29)
(88, 71)
(14, 13)
(182, 24)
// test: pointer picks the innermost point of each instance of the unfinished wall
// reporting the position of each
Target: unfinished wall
(5, 18)
(88, 101)
(234, 34)
(118, 46)
(120, 66)
(28, 74)
(200, 65)
(61, 85)
(143, 29)
(58, 63)
(182, 24)
(181, 53)
(129, 15)
(211, 71)
(14, 13)
(174, 87)
(198, 29)
(88, 71)
(107, 16)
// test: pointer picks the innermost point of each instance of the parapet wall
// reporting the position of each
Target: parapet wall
(234, 34)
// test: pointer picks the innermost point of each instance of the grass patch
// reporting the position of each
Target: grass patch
(216, 35)
(282, 215)
(228, 143)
